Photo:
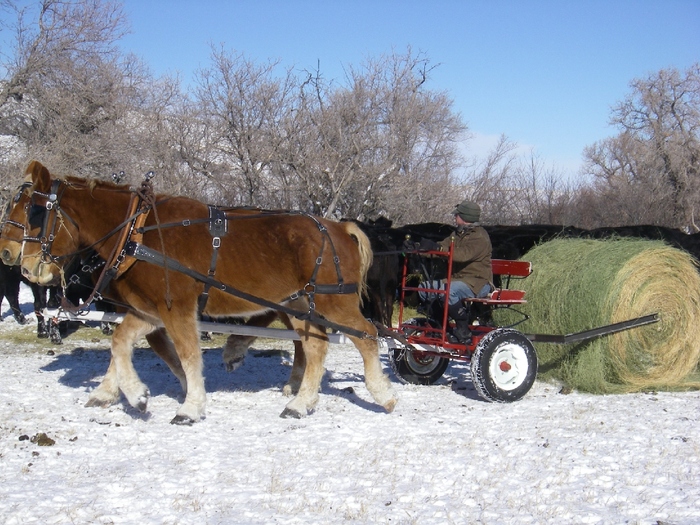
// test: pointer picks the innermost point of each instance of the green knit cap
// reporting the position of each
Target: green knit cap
(468, 210)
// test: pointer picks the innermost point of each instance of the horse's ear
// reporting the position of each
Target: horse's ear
(38, 175)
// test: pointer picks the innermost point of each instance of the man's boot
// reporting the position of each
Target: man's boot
(460, 315)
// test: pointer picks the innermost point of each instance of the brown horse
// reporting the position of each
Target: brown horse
(12, 234)
(172, 251)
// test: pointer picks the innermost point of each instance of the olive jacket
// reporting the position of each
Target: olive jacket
(471, 262)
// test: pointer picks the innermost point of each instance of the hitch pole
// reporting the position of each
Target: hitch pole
(594, 332)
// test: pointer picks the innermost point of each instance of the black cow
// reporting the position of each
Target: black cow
(10, 280)
(383, 275)
(81, 276)
(672, 236)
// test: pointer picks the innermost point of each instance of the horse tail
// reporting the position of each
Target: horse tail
(366, 253)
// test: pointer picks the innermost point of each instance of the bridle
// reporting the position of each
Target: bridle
(39, 214)
(6, 221)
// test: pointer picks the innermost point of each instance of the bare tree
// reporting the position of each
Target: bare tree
(382, 145)
(64, 81)
(650, 171)
(243, 105)
(490, 182)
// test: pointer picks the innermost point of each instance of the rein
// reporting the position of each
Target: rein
(117, 263)
(129, 249)
(144, 253)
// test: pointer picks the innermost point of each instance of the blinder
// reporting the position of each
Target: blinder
(36, 215)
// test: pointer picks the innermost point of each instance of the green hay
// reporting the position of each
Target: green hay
(578, 284)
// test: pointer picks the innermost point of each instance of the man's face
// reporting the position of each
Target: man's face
(459, 221)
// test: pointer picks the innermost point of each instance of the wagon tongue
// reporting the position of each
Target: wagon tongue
(594, 332)
(383, 331)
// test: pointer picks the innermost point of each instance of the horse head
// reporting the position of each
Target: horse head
(47, 236)
(12, 226)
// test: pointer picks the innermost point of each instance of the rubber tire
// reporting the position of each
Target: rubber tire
(425, 370)
(490, 380)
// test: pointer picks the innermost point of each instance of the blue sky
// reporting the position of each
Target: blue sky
(544, 73)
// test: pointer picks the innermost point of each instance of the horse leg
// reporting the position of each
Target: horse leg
(121, 373)
(298, 368)
(163, 347)
(12, 295)
(315, 346)
(235, 350)
(237, 347)
(42, 324)
(298, 365)
(377, 382)
(182, 327)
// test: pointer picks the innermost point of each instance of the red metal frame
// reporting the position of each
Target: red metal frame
(433, 341)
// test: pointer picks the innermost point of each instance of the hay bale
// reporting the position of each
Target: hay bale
(578, 284)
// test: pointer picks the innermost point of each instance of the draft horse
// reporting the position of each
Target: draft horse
(171, 258)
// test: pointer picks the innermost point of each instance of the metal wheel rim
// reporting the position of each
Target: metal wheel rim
(423, 366)
(509, 366)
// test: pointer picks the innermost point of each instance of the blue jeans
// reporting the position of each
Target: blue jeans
(458, 291)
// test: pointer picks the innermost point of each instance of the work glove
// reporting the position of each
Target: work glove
(428, 245)
(410, 246)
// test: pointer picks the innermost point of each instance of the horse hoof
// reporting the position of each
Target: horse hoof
(182, 420)
(389, 407)
(291, 413)
(234, 364)
(142, 404)
(99, 403)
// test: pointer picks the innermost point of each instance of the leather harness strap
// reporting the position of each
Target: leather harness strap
(218, 227)
(144, 253)
(119, 261)
(129, 248)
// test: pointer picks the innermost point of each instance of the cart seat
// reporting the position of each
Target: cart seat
(505, 296)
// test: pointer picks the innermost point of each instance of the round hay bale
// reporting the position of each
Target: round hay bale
(579, 284)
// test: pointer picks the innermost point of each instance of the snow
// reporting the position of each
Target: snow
(443, 456)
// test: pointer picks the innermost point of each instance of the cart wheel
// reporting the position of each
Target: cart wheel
(417, 368)
(504, 366)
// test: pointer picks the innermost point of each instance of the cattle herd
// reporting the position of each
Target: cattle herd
(509, 242)
(384, 277)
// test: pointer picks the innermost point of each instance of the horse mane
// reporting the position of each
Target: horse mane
(366, 253)
(92, 183)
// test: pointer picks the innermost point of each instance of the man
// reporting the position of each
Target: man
(471, 266)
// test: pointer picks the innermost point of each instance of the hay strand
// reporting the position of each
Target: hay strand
(579, 284)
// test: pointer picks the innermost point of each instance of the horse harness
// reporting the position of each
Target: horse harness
(130, 248)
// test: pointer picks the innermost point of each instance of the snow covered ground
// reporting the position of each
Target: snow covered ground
(443, 457)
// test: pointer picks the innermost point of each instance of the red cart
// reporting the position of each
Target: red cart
(503, 361)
